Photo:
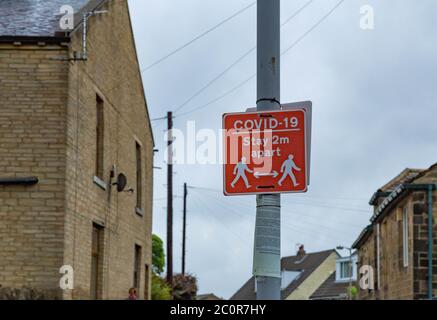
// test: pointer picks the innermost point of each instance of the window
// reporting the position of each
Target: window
(146, 282)
(99, 138)
(137, 266)
(345, 270)
(139, 173)
(96, 262)
(405, 236)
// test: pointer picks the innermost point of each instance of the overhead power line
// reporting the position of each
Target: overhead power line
(309, 228)
(215, 79)
(317, 24)
(173, 52)
(253, 49)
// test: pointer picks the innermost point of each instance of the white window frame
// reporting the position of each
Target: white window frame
(345, 267)
(339, 262)
(405, 236)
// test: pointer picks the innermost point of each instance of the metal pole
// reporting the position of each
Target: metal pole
(267, 251)
(184, 228)
(351, 270)
(430, 243)
(169, 198)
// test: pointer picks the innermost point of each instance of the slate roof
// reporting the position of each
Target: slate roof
(33, 17)
(306, 264)
(406, 176)
(208, 296)
(331, 290)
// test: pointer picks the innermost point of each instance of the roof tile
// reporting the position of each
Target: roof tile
(33, 17)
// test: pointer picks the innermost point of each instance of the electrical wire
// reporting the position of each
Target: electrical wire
(173, 52)
(253, 49)
(211, 210)
(312, 204)
(227, 208)
(307, 229)
(317, 24)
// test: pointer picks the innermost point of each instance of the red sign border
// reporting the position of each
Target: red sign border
(272, 192)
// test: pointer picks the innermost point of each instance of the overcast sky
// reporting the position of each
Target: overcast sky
(374, 96)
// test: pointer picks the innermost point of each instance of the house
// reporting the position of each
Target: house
(302, 275)
(396, 251)
(208, 297)
(76, 152)
(336, 287)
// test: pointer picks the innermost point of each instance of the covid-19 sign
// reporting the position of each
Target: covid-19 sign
(266, 152)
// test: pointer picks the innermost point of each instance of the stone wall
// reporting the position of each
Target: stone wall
(396, 280)
(399, 281)
(367, 257)
(112, 73)
(48, 130)
(33, 95)
(421, 237)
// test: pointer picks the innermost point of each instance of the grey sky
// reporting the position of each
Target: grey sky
(374, 114)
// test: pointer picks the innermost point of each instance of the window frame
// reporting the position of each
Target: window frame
(137, 267)
(405, 237)
(97, 251)
(139, 178)
(99, 170)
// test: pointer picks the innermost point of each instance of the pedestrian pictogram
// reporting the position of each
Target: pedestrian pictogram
(265, 152)
(287, 168)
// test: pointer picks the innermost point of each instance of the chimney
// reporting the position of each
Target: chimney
(301, 252)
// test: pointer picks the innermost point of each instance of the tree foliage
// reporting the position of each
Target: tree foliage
(184, 287)
(158, 256)
(160, 289)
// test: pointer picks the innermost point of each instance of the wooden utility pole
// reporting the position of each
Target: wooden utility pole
(184, 228)
(169, 198)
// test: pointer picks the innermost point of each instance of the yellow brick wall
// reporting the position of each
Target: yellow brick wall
(33, 95)
(315, 280)
(47, 129)
(112, 72)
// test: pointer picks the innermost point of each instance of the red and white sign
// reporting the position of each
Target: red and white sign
(265, 152)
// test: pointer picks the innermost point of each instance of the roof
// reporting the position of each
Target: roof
(38, 18)
(306, 264)
(364, 235)
(395, 190)
(331, 290)
(406, 176)
(208, 296)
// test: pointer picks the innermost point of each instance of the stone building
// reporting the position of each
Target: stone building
(400, 243)
(73, 119)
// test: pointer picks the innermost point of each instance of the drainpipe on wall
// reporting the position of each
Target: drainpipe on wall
(430, 241)
(378, 259)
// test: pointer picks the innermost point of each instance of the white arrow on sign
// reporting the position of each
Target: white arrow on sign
(274, 174)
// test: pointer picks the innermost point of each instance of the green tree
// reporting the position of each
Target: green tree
(160, 289)
(158, 256)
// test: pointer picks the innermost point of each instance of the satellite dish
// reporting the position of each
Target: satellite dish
(121, 182)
